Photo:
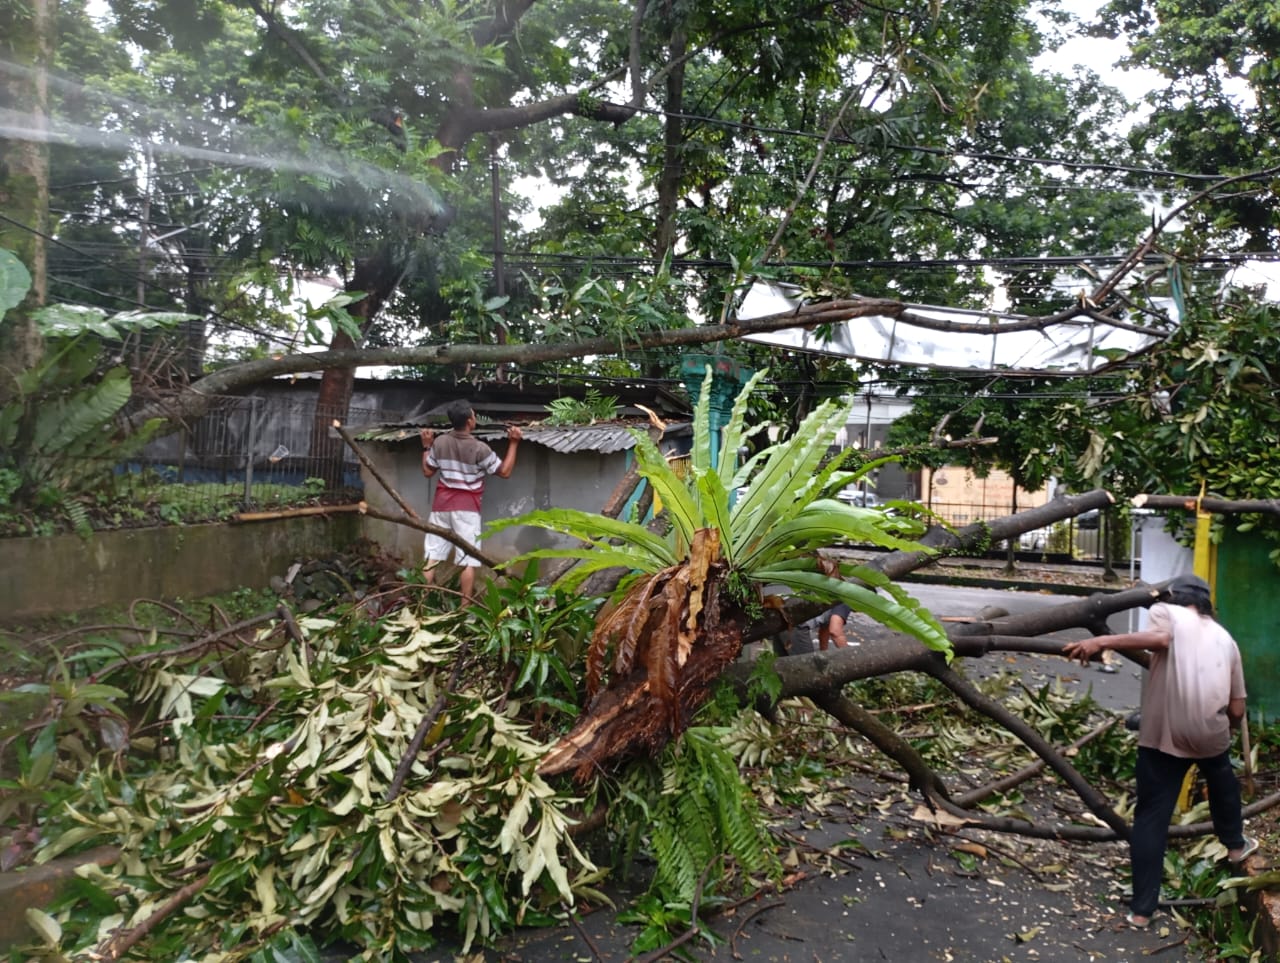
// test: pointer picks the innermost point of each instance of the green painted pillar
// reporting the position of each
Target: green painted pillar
(1245, 588)
(727, 379)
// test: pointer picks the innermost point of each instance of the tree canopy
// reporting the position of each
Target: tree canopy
(235, 152)
(582, 188)
(522, 187)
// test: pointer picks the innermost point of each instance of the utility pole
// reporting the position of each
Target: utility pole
(866, 443)
(499, 266)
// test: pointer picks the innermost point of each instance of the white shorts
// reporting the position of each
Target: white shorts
(466, 525)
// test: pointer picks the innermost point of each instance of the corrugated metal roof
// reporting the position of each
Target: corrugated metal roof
(598, 438)
(603, 438)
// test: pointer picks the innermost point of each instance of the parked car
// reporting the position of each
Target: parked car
(1088, 519)
(858, 498)
(1034, 540)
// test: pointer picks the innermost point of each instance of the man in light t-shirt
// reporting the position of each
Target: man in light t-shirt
(462, 462)
(1192, 698)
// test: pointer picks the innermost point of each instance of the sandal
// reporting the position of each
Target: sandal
(1250, 847)
(1138, 922)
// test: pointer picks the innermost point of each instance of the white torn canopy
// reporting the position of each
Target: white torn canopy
(1076, 346)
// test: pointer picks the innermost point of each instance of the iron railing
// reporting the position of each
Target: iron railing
(246, 453)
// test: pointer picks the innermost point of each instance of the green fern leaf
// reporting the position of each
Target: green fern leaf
(733, 435)
(77, 423)
(673, 490)
(901, 613)
(79, 518)
(651, 553)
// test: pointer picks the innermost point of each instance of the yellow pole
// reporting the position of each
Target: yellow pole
(1205, 564)
(1205, 558)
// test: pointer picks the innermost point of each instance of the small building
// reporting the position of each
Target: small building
(576, 466)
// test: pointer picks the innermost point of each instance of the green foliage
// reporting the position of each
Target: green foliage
(62, 426)
(1216, 107)
(701, 815)
(1033, 442)
(704, 814)
(15, 281)
(582, 411)
(538, 633)
(120, 500)
(299, 173)
(1199, 409)
(1203, 409)
(289, 810)
(770, 534)
(1196, 871)
(54, 730)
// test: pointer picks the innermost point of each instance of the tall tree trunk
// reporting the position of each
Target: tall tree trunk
(376, 276)
(26, 43)
(672, 150)
(194, 333)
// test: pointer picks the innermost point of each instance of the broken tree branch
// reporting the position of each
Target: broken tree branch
(967, 800)
(427, 527)
(121, 941)
(372, 470)
(920, 776)
(424, 726)
(1218, 506)
(299, 512)
(975, 699)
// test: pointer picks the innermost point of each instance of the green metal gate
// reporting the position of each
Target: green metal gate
(1247, 596)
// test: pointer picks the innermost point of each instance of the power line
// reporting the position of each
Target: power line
(959, 150)
(534, 259)
(112, 266)
(128, 179)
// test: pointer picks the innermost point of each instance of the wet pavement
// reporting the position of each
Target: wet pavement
(871, 878)
(872, 882)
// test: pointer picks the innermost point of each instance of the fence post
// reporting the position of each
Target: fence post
(250, 435)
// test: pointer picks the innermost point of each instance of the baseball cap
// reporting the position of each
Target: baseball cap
(1189, 585)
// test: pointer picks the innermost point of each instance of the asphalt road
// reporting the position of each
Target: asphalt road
(897, 891)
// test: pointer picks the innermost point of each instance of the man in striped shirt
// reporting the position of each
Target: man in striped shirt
(462, 462)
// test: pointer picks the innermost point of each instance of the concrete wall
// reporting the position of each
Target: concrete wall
(65, 573)
(542, 479)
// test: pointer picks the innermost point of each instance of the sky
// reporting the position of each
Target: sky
(1101, 55)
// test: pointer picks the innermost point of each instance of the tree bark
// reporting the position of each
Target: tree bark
(919, 774)
(1218, 506)
(971, 540)
(227, 380)
(971, 696)
(27, 36)
(376, 276)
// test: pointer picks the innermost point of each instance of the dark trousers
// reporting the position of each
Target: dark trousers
(1159, 781)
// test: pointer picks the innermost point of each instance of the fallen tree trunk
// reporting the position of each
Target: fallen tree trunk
(616, 726)
(821, 676)
(620, 722)
(941, 542)
(1216, 506)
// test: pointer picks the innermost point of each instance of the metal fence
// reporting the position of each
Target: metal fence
(1079, 538)
(246, 453)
